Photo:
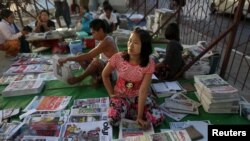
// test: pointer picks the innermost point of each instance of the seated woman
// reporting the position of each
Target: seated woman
(9, 33)
(43, 22)
(173, 61)
(86, 18)
(130, 96)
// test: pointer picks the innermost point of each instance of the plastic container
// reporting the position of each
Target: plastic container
(89, 42)
(76, 47)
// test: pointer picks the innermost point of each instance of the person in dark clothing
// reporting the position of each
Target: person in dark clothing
(62, 9)
(74, 7)
(173, 61)
(43, 22)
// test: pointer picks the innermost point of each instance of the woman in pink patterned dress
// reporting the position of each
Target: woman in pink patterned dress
(129, 97)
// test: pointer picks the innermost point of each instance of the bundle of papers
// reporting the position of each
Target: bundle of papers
(25, 87)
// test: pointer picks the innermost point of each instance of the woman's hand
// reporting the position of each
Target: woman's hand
(144, 124)
(61, 61)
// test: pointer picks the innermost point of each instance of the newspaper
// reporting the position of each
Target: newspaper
(62, 73)
(25, 87)
(173, 115)
(129, 128)
(245, 109)
(46, 103)
(96, 131)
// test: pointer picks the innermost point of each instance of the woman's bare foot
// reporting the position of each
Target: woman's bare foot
(96, 81)
(74, 80)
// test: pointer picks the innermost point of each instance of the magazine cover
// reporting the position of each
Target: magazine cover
(94, 131)
(40, 138)
(52, 113)
(53, 103)
(102, 102)
(129, 128)
(14, 70)
(87, 118)
(9, 129)
(83, 111)
(46, 119)
(38, 68)
(46, 103)
(28, 61)
(4, 80)
(166, 89)
(39, 129)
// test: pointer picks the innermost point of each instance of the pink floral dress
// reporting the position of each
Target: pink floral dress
(127, 89)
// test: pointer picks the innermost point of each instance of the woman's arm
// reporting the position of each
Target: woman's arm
(7, 33)
(106, 79)
(38, 24)
(100, 48)
(143, 93)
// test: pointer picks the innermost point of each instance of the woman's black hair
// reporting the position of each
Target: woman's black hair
(97, 24)
(44, 10)
(5, 13)
(172, 32)
(105, 3)
(108, 8)
(146, 47)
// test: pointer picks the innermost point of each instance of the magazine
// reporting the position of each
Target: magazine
(45, 119)
(27, 69)
(166, 89)
(6, 113)
(179, 104)
(9, 129)
(185, 98)
(40, 129)
(4, 80)
(84, 111)
(25, 87)
(28, 61)
(96, 131)
(48, 103)
(173, 115)
(129, 128)
(40, 138)
(14, 70)
(102, 102)
(87, 118)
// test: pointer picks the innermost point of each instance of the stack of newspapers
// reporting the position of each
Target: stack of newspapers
(25, 87)
(216, 95)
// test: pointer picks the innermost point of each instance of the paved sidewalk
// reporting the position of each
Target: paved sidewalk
(5, 62)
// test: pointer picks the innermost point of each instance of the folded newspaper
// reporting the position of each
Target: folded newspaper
(63, 72)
